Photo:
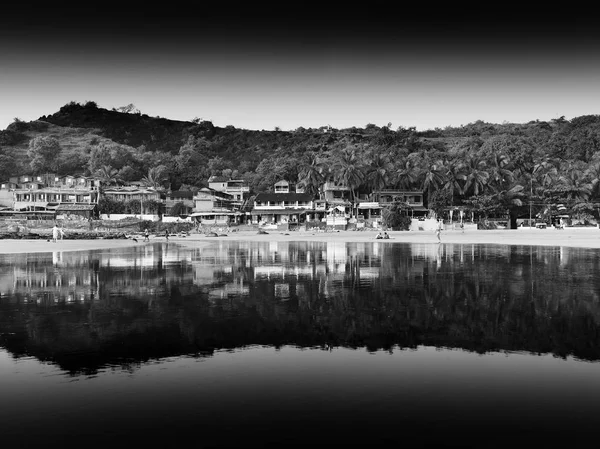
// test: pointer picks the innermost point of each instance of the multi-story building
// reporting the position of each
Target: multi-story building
(130, 193)
(282, 208)
(214, 207)
(63, 195)
(237, 188)
(185, 198)
(413, 198)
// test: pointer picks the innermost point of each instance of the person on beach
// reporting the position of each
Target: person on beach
(167, 234)
(438, 231)
(379, 236)
(56, 232)
(146, 235)
(385, 235)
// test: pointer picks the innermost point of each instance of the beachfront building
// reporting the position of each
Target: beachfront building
(413, 198)
(147, 197)
(215, 208)
(237, 188)
(338, 201)
(286, 210)
(63, 196)
(179, 201)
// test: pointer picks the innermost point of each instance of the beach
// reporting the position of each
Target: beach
(570, 237)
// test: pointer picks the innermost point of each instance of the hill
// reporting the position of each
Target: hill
(481, 164)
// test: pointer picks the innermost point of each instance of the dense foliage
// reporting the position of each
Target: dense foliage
(494, 167)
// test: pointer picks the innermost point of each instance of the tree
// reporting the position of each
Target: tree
(395, 216)
(156, 177)
(406, 174)
(44, 152)
(108, 175)
(107, 205)
(476, 175)
(113, 155)
(348, 170)
(310, 174)
(8, 166)
(129, 109)
(378, 171)
(439, 201)
(453, 179)
(511, 199)
(432, 176)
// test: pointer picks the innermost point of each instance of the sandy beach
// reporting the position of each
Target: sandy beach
(571, 237)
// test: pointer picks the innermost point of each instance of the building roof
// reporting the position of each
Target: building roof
(276, 197)
(218, 179)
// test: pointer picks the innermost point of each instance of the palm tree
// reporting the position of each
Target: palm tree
(592, 175)
(348, 170)
(452, 178)
(573, 183)
(156, 177)
(378, 171)
(476, 175)
(431, 175)
(499, 172)
(511, 198)
(108, 175)
(311, 174)
(406, 175)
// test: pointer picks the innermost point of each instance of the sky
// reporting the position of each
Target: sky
(310, 65)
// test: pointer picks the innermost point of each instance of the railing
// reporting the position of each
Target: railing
(238, 189)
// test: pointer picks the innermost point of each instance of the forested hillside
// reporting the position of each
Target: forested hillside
(486, 166)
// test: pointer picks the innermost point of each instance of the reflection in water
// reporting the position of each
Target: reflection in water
(253, 344)
(85, 310)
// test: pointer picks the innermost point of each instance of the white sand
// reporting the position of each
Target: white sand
(572, 237)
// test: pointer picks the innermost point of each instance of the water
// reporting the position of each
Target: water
(300, 344)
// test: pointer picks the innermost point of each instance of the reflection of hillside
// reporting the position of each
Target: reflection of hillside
(478, 298)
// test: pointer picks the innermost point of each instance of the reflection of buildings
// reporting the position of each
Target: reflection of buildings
(46, 283)
(160, 300)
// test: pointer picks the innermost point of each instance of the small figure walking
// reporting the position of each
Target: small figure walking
(146, 235)
(438, 231)
(167, 234)
(56, 232)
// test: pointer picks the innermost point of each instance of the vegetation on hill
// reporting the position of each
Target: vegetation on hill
(489, 167)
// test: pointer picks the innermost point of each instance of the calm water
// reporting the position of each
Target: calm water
(300, 345)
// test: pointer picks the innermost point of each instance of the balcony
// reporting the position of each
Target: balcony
(237, 189)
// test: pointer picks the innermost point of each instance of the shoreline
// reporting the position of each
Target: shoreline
(575, 237)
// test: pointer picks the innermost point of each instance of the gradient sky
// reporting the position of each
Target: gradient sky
(310, 65)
